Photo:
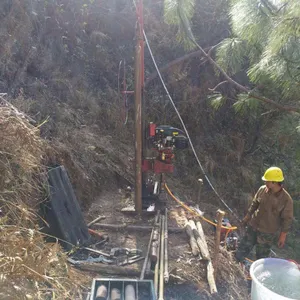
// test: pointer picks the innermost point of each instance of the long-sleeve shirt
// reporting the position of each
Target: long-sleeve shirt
(271, 211)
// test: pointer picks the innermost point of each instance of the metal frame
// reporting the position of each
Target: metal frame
(111, 282)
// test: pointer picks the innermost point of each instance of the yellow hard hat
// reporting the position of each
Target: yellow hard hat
(273, 174)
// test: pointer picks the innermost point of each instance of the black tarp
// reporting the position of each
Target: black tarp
(62, 211)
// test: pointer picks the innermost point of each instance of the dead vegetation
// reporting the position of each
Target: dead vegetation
(70, 70)
(29, 268)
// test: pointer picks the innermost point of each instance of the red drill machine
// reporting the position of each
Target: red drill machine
(160, 142)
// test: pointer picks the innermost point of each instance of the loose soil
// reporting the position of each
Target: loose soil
(230, 281)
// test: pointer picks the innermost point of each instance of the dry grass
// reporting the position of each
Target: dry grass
(29, 267)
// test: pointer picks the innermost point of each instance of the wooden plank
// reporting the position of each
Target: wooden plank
(220, 215)
(210, 278)
(205, 253)
(204, 250)
(192, 240)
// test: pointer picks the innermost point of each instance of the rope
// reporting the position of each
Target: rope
(185, 129)
(194, 212)
(229, 229)
(181, 120)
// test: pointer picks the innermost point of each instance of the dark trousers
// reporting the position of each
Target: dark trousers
(262, 241)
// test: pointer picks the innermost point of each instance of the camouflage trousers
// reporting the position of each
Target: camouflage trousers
(262, 241)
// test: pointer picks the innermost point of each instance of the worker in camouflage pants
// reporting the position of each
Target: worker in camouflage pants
(270, 211)
(262, 241)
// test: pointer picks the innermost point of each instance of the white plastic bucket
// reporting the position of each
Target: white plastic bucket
(275, 279)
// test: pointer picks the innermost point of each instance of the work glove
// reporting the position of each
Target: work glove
(281, 239)
(246, 220)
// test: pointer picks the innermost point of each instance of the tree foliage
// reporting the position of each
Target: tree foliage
(260, 60)
(179, 13)
(269, 31)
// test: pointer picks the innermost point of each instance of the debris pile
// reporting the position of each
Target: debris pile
(30, 268)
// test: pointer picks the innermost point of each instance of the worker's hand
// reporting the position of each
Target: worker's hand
(246, 220)
(281, 239)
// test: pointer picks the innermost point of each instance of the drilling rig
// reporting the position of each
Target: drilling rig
(154, 144)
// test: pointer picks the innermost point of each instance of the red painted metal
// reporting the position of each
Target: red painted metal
(147, 165)
(162, 167)
(152, 128)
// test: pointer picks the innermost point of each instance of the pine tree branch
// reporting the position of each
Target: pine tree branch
(212, 48)
(214, 89)
(244, 89)
(175, 62)
(275, 104)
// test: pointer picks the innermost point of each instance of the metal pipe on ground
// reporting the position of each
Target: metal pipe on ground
(96, 251)
(166, 267)
(161, 258)
(149, 246)
(156, 271)
(116, 227)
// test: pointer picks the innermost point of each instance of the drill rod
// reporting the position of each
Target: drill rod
(166, 273)
(161, 258)
(149, 247)
(156, 272)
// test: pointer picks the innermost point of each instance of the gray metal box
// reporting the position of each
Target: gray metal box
(144, 289)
